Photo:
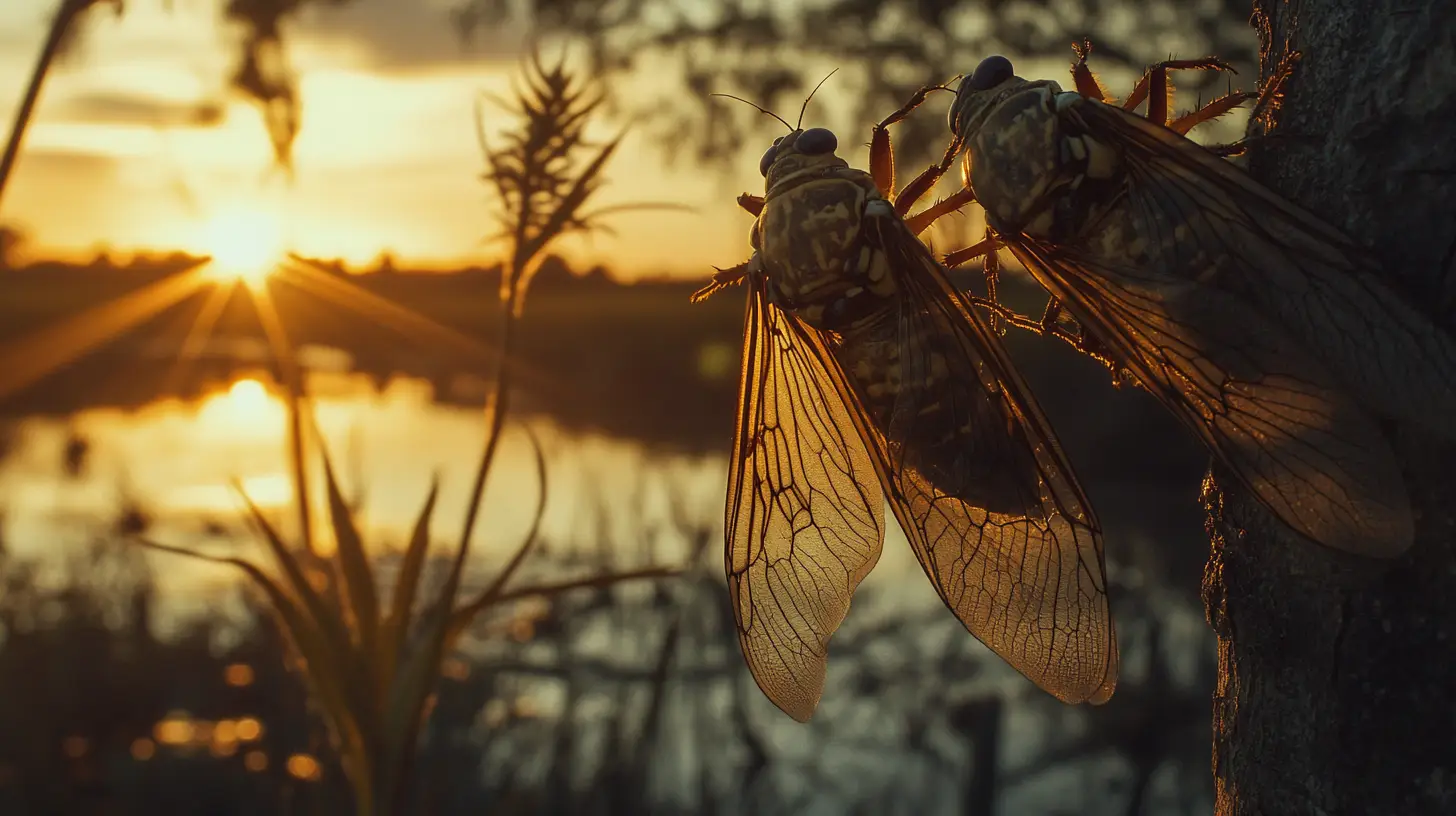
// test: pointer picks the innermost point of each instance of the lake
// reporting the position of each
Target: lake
(174, 461)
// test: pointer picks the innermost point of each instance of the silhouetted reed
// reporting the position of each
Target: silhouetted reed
(372, 666)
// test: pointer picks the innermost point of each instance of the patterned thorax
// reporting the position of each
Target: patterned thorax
(1035, 170)
(818, 264)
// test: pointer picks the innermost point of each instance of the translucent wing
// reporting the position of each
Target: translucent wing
(1275, 414)
(1198, 212)
(805, 519)
(993, 511)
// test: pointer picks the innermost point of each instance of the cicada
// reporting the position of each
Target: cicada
(865, 376)
(1266, 331)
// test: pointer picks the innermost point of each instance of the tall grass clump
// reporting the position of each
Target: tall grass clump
(370, 666)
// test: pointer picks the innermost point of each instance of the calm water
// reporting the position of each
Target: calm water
(176, 461)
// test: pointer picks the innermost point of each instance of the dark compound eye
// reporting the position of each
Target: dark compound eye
(991, 72)
(768, 157)
(816, 141)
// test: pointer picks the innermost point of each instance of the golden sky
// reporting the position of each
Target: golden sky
(119, 154)
(122, 155)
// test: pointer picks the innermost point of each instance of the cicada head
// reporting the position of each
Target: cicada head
(979, 93)
(800, 155)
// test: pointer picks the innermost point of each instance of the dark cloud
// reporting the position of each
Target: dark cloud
(407, 34)
(49, 163)
(127, 108)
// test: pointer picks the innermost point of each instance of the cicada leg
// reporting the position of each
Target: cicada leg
(1272, 94)
(723, 278)
(752, 203)
(963, 256)
(1218, 107)
(985, 249)
(991, 271)
(882, 170)
(1155, 89)
(1265, 106)
(921, 221)
(882, 153)
(1050, 325)
(1083, 79)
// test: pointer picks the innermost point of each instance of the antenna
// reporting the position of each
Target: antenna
(811, 96)
(760, 110)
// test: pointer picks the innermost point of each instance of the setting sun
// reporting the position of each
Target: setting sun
(244, 244)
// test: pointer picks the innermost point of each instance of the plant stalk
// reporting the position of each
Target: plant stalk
(65, 15)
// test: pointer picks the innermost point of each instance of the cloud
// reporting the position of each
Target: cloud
(407, 36)
(129, 108)
(46, 163)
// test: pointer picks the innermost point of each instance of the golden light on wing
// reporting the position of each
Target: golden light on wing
(987, 500)
(805, 518)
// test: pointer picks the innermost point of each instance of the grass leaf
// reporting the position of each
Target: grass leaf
(328, 680)
(406, 586)
(358, 590)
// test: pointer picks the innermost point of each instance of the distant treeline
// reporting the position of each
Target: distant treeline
(636, 361)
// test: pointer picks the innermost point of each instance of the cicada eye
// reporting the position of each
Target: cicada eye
(991, 72)
(768, 157)
(816, 141)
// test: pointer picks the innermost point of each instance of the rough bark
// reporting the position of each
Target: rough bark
(1337, 678)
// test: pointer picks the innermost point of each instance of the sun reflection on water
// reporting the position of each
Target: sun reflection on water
(179, 461)
(246, 407)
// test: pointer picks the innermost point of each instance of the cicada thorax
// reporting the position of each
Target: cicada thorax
(819, 267)
(1039, 173)
(1036, 173)
(824, 264)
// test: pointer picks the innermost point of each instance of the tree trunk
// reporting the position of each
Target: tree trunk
(1337, 678)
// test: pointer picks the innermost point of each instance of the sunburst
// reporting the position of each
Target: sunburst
(244, 244)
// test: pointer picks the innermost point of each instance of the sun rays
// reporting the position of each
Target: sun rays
(247, 259)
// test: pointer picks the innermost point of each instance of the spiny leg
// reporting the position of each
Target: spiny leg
(723, 278)
(1265, 106)
(752, 203)
(1272, 94)
(882, 154)
(921, 221)
(963, 256)
(991, 271)
(1154, 85)
(1047, 326)
(1050, 322)
(1052, 314)
(1050, 325)
(918, 187)
(1209, 112)
(1082, 77)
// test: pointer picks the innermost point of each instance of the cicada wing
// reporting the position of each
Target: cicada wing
(1202, 215)
(984, 493)
(805, 517)
(1273, 413)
